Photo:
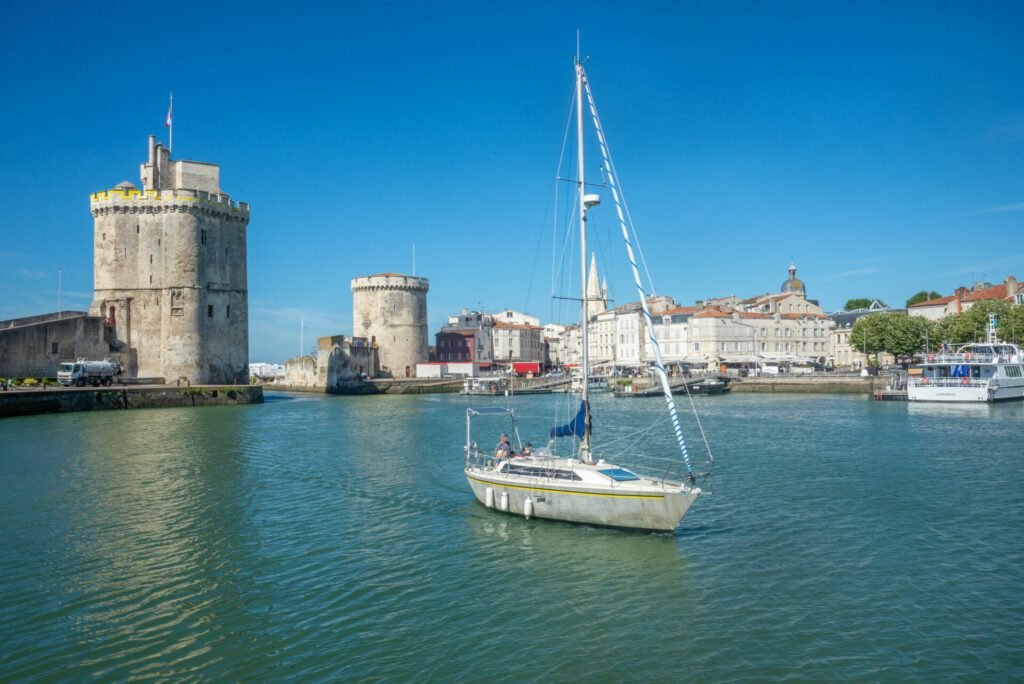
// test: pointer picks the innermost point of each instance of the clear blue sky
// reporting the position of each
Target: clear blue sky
(882, 147)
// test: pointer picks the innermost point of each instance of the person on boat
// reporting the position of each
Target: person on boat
(504, 448)
(527, 450)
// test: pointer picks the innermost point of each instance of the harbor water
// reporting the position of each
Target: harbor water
(336, 538)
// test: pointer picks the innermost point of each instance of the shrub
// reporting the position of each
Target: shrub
(29, 382)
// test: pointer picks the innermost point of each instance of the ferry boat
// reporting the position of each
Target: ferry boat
(979, 372)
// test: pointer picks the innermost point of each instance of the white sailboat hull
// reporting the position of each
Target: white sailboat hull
(656, 508)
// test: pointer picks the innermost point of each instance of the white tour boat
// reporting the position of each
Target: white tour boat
(982, 371)
(581, 487)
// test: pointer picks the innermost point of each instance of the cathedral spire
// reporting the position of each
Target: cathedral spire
(593, 283)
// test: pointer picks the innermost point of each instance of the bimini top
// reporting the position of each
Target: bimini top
(489, 411)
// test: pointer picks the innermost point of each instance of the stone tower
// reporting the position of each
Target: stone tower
(390, 309)
(170, 272)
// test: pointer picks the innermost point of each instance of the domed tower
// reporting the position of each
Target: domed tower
(793, 284)
(390, 309)
(170, 272)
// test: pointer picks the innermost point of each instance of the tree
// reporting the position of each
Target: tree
(853, 304)
(923, 296)
(896, 333)
(971, 325)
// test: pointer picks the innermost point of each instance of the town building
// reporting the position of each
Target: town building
(964, 298)
(517, 343)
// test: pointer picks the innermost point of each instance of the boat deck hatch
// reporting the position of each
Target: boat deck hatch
(619, 474)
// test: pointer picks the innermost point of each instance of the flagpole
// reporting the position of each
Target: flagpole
(170, 125)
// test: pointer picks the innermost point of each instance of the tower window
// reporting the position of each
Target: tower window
(202, 236)
(150, 279)
(229, 311)
(55, 348)
(150, 258)
(104, 238)
(209, 310)
(136, 228)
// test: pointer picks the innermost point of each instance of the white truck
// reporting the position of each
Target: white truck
(83, 372)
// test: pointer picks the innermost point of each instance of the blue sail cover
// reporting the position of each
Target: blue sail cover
(576, 426)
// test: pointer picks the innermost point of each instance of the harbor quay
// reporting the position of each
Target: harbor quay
(37, 400)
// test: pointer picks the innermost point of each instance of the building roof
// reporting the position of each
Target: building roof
(987, 293)
(678, 310)
(516, 326)
(940, 301)
(994, 292)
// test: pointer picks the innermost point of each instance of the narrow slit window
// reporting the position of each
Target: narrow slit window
(209, 310)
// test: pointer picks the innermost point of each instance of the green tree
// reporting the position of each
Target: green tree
(971, 325)
(862, 303)
(896, 333)
(923, 296)
(867, 335)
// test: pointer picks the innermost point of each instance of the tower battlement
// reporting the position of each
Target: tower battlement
(153, 201)
(390, 281)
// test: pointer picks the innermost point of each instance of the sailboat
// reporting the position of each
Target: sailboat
(583, 487)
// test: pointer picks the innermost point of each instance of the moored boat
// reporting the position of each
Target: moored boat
(980, 372)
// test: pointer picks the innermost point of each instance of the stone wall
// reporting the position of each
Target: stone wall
(390, 310)
(36, 349)
(339, 361)
(31, 402)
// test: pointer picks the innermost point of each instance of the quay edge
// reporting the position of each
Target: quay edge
(32, 402)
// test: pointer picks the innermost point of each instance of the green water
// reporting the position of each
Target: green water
(320, 538)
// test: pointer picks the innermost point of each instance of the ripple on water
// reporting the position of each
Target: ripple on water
(334, 538)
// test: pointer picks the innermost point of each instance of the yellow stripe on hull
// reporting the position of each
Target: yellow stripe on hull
(567, 491)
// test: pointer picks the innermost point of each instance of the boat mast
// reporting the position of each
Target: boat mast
(585, 443)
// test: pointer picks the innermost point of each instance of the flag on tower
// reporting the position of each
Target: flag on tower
(167, 124)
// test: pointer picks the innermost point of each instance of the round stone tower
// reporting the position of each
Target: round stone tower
(390, 309)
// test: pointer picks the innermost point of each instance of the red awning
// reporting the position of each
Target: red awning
(526, 366)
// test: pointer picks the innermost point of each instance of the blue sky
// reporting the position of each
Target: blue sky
(881, 147)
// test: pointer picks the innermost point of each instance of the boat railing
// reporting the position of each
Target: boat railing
(967, 357)
(946, 382)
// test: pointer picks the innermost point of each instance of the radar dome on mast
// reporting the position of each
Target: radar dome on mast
(591, 200)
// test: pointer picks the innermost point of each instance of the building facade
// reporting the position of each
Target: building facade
(964, 298)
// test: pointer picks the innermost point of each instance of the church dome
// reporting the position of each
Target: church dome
(793, 284)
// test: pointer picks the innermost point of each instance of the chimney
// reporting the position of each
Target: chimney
(960, 292)
(1011, 286)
